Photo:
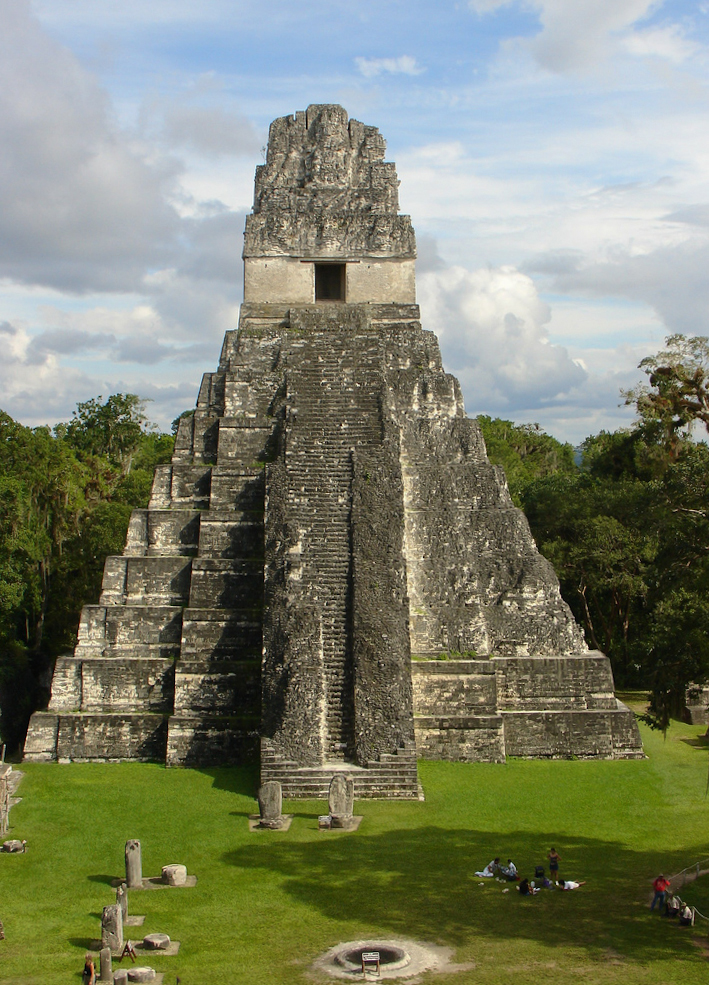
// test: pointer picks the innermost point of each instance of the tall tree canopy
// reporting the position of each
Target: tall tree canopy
(65, 500)
(628, 532)
(677, 396)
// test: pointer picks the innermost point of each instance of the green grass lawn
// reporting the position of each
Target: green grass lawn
(266, 904)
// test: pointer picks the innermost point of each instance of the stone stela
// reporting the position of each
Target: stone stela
(134, 864)
(112, 928)
(340, 801)
(270, 804)
(329, 526)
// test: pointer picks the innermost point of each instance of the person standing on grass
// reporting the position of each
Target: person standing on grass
(554, 860)
(660, 885)
(88, 975)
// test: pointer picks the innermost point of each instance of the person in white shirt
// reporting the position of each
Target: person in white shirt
(570, 884)
(490, 869)
(509, 870)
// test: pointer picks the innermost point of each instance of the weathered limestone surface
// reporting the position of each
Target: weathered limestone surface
(106, 974)
(331, 169)
(174, 874)
(122, 899)
(341, 796)
(134, 865)
(330, 526)
(112, 927)
(698, 705)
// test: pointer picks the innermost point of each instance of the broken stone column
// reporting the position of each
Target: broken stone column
(112, 928)
(134, 865)
(122, 900)
(341, 801)
(270, 805)
(106, 971)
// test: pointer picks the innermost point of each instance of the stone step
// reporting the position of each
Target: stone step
(180, 486)
(162, 532)
(131, 683)
(96, 737)
(240, 489)
(224, 535)
(228, 687)
(210, 740)
(401, 787)
(129, 624)
(220, 633)
(226, 582)
(146, 581)
(197, 438)
(122, 651)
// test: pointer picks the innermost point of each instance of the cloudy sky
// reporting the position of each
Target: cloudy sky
(553, 155)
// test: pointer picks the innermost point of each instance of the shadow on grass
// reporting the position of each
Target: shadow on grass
(421, 883)
(107, 880)
(698, 742)
(236, 779)
(83, 942)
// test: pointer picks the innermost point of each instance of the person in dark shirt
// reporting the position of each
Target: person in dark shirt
(88, 976)
(554, 860)
(525, 889)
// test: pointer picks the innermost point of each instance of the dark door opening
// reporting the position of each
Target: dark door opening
(330, 281)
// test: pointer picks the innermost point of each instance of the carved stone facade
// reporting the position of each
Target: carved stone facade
(329, 527)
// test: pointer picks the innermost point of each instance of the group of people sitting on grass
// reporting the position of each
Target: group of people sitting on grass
(494, 869)
(675, 907)
(670, 903)
(526, 888)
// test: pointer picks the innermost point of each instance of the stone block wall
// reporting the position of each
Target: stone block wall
(543, 707)
(698, 706)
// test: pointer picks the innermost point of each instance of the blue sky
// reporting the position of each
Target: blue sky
(553, 155)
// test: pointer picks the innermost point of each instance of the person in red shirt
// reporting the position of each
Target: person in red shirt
(660, 885)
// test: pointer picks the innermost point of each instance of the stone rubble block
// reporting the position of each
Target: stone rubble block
(140, 973)
(174, 874)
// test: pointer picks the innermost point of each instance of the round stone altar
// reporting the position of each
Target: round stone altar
(397, 959)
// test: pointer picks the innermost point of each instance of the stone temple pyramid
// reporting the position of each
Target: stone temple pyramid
(330, 527)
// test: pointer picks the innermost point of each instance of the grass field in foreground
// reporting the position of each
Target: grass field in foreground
(266, 904)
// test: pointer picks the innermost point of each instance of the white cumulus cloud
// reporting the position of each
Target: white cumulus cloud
(80, 207)
(403, 65)
(576, 34)
(491, 324)
(669, 43)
